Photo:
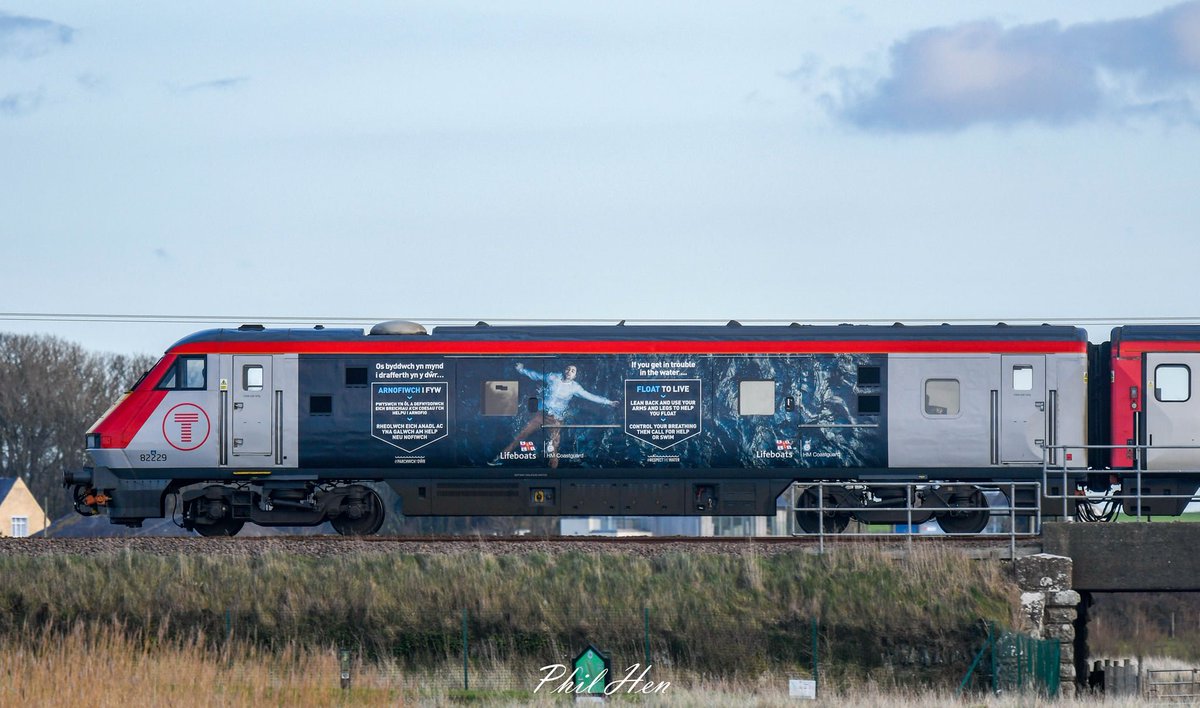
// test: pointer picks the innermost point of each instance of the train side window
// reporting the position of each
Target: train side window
(869, 375)
(1022, 378)
(756, 398)
(356, 376)
(1172, 383)
(500, 397)
(941, 397)
(252, 377)
(320, 405)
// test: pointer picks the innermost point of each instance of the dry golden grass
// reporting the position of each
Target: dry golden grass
(96, 666)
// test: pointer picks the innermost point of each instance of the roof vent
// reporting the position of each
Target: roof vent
(398, 327)
(251, 328)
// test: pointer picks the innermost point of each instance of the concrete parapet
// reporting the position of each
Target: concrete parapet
(1128, 557)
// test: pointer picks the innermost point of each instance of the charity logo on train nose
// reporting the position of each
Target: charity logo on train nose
(186, 426)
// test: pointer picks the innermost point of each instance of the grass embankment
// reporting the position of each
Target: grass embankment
(914, 619)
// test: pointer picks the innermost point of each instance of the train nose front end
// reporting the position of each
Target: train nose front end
(108, 482)
(83, 482)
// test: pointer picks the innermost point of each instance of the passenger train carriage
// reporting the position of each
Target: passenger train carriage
(287, 427)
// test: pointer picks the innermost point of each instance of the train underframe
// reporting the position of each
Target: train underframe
(959, 506)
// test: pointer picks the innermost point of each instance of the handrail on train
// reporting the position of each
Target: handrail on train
(1012, 509)
(1048, 453)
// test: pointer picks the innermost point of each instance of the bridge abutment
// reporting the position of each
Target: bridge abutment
(1048, 608)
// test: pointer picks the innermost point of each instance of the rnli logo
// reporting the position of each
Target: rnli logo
(186, 427)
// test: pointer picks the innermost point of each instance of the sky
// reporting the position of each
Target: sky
(619, 160)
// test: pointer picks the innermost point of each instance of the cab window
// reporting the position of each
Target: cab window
(188, 373)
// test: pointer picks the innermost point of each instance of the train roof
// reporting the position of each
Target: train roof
(1156, 333)
(660, 333)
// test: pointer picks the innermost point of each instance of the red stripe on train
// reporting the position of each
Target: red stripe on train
(639, 347)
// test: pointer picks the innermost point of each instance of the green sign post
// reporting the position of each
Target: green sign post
(592, 672)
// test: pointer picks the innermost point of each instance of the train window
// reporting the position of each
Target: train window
(869, 375)
(941, 397)
(1022, 378)
(356, 376)
(756, 398)
(868, 404)
(320, 405)
(188, 372)
(193, 372)
(500, 397)
(252, 377)
(1172, 383)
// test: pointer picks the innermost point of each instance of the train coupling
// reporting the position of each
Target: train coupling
(80, 477)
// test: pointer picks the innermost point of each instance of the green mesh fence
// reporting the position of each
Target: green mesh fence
(1017, 663)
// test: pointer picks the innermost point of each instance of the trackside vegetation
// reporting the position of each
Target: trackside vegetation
(910, 620)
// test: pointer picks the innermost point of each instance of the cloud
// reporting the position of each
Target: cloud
(216, 85)
(949, 78)
(29, 37)
(20, 103)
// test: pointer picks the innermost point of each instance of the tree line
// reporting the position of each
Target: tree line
(51, 391)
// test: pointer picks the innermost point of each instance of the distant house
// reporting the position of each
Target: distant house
(20, 514)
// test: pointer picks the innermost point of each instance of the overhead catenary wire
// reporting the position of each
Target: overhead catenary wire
(166, 318)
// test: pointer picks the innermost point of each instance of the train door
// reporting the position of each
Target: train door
(1172, 411)
(253, 408)
(1023, 408)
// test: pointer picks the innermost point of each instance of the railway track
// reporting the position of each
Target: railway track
(975, 547)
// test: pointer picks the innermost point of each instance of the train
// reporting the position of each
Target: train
(295, 427)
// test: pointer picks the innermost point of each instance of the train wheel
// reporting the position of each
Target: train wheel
(830, 518)
(363, 518)
(970, 512)
(223, 527)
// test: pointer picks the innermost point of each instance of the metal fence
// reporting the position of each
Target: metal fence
(1012, 662)
(1172, 685)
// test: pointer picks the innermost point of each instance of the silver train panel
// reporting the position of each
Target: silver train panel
(257, 407)
(925, 433)
(1172, 410)
(1067, 401)
(979, 410)
(182, 432)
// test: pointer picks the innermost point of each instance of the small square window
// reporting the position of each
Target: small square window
(941, 397)
(1022, 378)
(868, 404)
(356, 376)
(756, 398)
(20, 526)
(320, 405)
(1172, 383)
(252, 377)
(500, 397)
(869, 375)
